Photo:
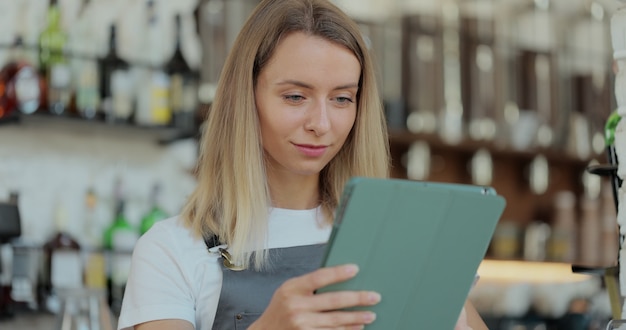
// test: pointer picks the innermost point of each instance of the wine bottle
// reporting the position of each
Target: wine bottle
(87, 90)
(84, 64)
(62, 260)
(120, 225)
(156, 213)
(590, 231)
(115, 83)
(20, 84)
(479, 74)
(153, 90)
(95, 263)
(53, 63)
(537, 71)
(562, 245)
(91, 230)
(183, 86)
(588, 79)
(119, 238)
(424, 88)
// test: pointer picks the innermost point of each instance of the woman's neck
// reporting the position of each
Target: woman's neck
(295, 192)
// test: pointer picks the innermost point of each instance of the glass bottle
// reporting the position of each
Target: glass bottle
(610, 229)
(588, 75)
(115, 83)
(91, 231)
(562, 244)
(95, 263)
(120, 223)
(53, 63)
(21, 83)
(156, 213)
(423, 51)
(480, 89)
(87, 90)
(84, 65)
(538, 62)
(183, 86)
(119, 239)
(63, 265)
(590, 231)
(451, 128)
(153, 106)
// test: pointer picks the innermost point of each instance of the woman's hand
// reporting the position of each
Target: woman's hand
(296, 306)
(461, 323)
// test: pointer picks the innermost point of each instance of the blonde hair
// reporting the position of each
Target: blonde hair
(232, 198)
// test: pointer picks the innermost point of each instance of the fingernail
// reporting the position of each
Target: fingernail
(374, 297)
(351, 269)
(369, 317)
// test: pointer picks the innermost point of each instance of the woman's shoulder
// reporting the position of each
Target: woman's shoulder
(171, 242)
(172, 224)
(172, 276)
(171, 234)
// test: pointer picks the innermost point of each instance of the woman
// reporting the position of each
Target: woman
(297, 113)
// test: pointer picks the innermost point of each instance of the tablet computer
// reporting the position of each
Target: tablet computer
(417, 243)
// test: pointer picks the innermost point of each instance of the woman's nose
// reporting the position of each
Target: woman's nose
(318, 120)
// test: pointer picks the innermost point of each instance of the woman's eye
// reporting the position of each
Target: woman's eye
(294, 98)
(343, 99)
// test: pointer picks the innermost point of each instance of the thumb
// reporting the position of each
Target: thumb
(461, 323)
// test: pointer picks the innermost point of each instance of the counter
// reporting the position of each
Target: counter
(29, 321)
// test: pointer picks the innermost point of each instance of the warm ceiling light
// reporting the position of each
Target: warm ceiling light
(509, 271)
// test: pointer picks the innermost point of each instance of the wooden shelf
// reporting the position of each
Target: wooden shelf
(450, 163)
(162, 135)
(406, 138)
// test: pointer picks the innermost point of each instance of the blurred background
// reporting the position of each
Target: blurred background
(102, 102)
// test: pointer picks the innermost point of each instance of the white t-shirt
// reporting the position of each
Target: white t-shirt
(173, 276)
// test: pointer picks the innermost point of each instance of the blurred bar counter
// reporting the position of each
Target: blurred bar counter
(29, 320)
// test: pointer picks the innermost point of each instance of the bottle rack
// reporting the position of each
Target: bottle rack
(510, 172)
(163, 134)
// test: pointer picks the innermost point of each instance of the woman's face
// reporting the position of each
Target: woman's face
(306, 101)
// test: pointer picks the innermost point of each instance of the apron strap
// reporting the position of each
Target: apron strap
(211, 241)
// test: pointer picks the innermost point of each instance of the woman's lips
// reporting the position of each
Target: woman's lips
(311, 150)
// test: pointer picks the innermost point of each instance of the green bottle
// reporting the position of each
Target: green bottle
(119, 226)
(52, 39)
(120, 239)
(155, 214)
(120, 235)
(53, 63)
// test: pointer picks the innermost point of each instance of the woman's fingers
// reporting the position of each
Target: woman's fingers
(330, 301)
(461, 323)
(296, 306)
(339, 319)
(308, 283)
(325, 310)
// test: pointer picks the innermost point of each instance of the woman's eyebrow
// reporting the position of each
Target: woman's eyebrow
(305, 85)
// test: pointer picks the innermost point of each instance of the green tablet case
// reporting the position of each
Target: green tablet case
(417, 243)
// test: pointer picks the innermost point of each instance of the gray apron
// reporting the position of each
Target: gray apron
(245, 294)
